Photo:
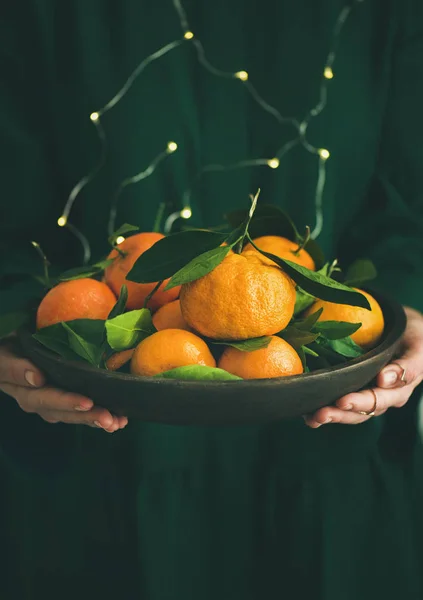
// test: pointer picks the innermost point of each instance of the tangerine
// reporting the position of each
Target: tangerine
(279, 359)
(170, 349)
(170, 316)
(242, 298)
(119, 359)
(372, 321)
(283, 248)
(76, 299)
(124, 259)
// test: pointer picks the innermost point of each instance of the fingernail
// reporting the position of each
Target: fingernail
(30, 378)
(82, 408)
(348, 407)
(98, 424)
(327, 421)
(390, 377)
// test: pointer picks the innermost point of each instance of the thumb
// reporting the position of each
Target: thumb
(407, 369)
(17, 370)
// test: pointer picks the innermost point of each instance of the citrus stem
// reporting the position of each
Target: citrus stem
(304, 242)
(239, 245)
(333, 267)
(151, 294)
(119, 251)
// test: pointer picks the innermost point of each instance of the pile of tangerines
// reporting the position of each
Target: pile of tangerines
(246, 296)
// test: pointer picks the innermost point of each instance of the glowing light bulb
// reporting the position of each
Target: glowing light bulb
(172, 147)
(273, 163)
(324, 154)
(94, 116)
(119, 240)
(62, 221)
(242, 75)
(186, 213)
(328, 73)
(188, 35)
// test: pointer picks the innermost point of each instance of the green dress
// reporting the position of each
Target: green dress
(177, 513)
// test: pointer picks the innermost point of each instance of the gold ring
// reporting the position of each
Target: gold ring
(403, 374)
(372, 412)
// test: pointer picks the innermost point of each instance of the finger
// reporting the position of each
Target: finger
(58, 406)
(119, 423)
(391, 398)
(335, 415)
(48, 399)
(406, 371)
(17, 370)
(409, 367)
(97, 417)
(123, 422)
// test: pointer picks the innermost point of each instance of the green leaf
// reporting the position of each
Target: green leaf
(296, 337)
(127, 330)
(198, 373)
(308, 323)
(126, 228)
(247, 345)
(120, 306)
(345, 347)
(301, 354)
(90, 350)
(56, 339)
(319, 357)
(336, 330)
(172, 253)
(319, 285)
(303, 301)
(199, 266)
(88, 271)
(12, 321)
(360, 272)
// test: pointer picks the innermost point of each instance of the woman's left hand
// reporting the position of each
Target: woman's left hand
(395, 383)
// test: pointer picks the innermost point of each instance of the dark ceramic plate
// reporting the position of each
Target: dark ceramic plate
(218, 402)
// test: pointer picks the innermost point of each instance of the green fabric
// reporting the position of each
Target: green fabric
(164, 513)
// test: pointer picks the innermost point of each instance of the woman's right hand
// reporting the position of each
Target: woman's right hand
(20, 379)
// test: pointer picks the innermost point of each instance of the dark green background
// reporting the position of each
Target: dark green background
(176, 513)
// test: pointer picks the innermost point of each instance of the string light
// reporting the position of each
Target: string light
(243, 76)
(301, 127)
(321, 181)
(217, 168)
(170, 149)
(273, 163)
(185, 213)
(83, 240)
(324, 154)
(119, 240)
(95, 118)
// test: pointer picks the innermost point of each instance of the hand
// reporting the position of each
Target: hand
(20, 379)
(391, 390)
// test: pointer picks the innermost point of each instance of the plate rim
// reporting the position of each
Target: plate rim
(25, 336)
